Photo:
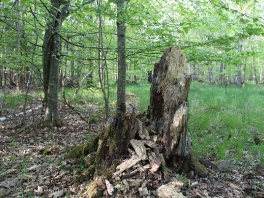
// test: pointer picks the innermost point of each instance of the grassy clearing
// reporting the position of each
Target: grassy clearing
(143, 92)
(223, 122)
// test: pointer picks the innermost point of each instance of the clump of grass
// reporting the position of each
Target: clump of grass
(222, 122)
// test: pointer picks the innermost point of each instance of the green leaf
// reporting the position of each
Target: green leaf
(112, 1)
(24, 1)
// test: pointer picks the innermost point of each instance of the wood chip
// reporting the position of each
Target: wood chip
(142, 132)
(126, 184)
(155, 162)
(128, 163)
(170, 190)
(234, 186)
(109, 187)
(139, 148)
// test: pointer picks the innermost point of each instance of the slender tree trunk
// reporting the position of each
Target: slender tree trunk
(260, 71)
(51, 54)
(254, 76)
(221, 73)
(121, 40)
(1, 76)
(239, 81)
(102, 65)
(29, 79)
(210, 75)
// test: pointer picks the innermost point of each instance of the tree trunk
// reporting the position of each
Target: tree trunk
(167, 120)
(221, 73)
(169, 107)
(210, 75)
(121, 41)
(254, 76)
(51, 54)
(239, 81)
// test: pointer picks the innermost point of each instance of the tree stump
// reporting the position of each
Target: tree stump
(162, 138)
(169, 107)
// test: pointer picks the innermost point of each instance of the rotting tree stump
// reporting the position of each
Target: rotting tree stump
(169, 108)
(162, 136)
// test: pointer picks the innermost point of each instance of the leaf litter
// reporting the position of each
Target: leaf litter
(32, 164)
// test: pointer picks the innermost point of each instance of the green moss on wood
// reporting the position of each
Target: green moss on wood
(95, 188)
(57, 122)
(86, 175)
(83, 149)
(192, 163)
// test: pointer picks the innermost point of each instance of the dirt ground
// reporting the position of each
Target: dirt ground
(32, 162)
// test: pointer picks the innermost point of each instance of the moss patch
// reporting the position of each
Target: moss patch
(192, 163)
(86, 175)
(95, 188)
(83, 149)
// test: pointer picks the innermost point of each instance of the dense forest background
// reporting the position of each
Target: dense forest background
(223, 40)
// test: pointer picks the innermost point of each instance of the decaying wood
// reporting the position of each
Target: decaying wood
(20, 114)
(139, 148)
(142, 131)
(155, 162)
(130, 174)
(170, 190)
(109, 187)
(127, 164)
(163, 137)
(168, 102)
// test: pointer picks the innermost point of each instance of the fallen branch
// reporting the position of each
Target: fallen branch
(20, 114)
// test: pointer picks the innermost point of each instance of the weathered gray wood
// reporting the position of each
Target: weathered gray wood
(168, 103)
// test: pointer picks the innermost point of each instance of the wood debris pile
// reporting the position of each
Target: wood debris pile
(142, 175)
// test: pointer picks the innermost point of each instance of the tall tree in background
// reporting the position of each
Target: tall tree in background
(51, 51)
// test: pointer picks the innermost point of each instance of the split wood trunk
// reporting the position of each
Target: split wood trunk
(169, 105)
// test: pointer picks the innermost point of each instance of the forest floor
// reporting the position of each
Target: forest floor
(32, 162)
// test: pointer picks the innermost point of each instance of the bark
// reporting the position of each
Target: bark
(51, 54)
(121, 41)
(102, 66)
(210, 75)
(239, 81)
(221, 73)
(168, 103)
(254, 76)
(168, 111)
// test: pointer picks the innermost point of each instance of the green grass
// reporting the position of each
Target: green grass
(95, 95)
(14, 100)
(143, 92)
(223, 122)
